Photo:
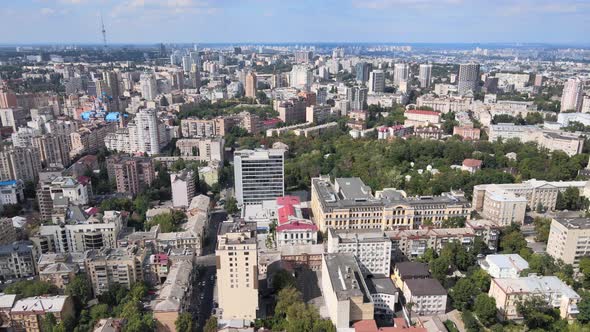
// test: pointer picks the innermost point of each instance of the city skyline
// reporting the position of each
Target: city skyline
(268, 21)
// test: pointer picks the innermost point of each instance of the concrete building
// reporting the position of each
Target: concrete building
(291, 111)
(345, 292)
(504, 266)
(28, 313)
(338, 204)
(362, 70)
(11, 192)
(568, 239)
(535, 192)
(318, 113)
(131, 174)
(149, 86)
(403, 271)
(401, 72)
(421, 118)
(468, 78)
(377, 81)
(259, 175)
(300, 77)
(17, 260)
(206, 149)
(383, 293)
(572, 95)
(237, 270)
(7, 231)
(371, 248)
(197, 128)
(443, 103)
(467, 132)
(174, 297)
(20, 163)
(425, 75)
(508, 292)
(183, 187)
(107, 267)
(251, 85)
(54, 188)
(428, 296)
(13, 117)
(59, 274)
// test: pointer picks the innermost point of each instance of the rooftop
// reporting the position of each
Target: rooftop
(535, 284)
(175, 288)
(425, 287)
(573, 222)
(381, 284)
(409, 270)
(346, 277)
(40, 304)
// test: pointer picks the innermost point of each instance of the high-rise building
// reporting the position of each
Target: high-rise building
(362, 70)
(401, 72)
(149, 86)
(425, 75)
(303, 56)
(183, 187)
(468, 78)
(377, 81)
(259, 175)
(20, 163)
(186, 63)
(251, 85)
(359, 100)
(568, 239)
(300, 77)
(572, 96)
(13, 117)
(237, 270)
(131, 174)
(195, 77)
(145, 134)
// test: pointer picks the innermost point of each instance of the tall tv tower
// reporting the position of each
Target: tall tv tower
(104, 33)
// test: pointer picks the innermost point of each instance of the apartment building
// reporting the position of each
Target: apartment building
(553, 140)
(83, 233)
(568, 239)
(428, 296)
(383, 293)
(467, 132)
(444, 104)
(412, 243)
(422, 118)
(55, 187)
(206, 149)
(371, 248)
(132, 174)
(22, 163)
(505, 201)
(174, 297)
(108, 266)
(17, 260)
(183, 187)
(345, 292)
(348, 203)
(259, 175)
(508, 292)
(90, 137)
(27, 314)
(237, 270)
(7, 231)
(403, 271)
(197, 128)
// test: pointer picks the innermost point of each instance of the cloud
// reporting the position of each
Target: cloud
(47, 11)
(383, 4)
(544, 7)
(161, 8)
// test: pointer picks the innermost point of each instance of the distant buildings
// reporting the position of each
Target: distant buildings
(237, 270)
(425, 75)
(422, 118)
(467, 132)
(570, 143)
(401, 73)
(251, 85)
(377, 81)
(259, 175)
(468, 78)
(146, 134)
(572, 95)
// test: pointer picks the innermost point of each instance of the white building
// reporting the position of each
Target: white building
(259, 175)
(149, 86)
(300, 77)
(572, 96)
(371, 248)
(428, 296)
(504, 266)
(183, 187)
(401, 72)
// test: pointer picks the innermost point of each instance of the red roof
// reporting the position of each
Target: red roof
(84, 180)
(423, 112)
(285, 212)
(271, 121)
(472, 163)
(296, 225)
(293, 200)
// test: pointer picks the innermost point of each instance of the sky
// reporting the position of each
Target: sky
(258, 21)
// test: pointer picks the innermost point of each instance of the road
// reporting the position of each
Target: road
(205, 280)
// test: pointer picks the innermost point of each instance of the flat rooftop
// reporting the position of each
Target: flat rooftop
(346, 277)
(381, 284)
(573, 222)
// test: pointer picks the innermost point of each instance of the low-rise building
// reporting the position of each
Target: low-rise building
(17, 260)
(11, 192)
(184, 187)
(428, 296)
(403, 271)
(553, 140)
(504, 266)
(508, 292)
(384, 294)
(471, 165)
(174, 297)
(345, 291)
(28, 313)
(422, 118)
(467, 132)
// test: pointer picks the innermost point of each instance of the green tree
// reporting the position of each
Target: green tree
(481, 279)
(282, 279)
(584, 308)
(439, 268)
(536, 313)
(184, 322)
(211, 325)
(485, 309)
(542, 229)
(80, 289)
(30, 288)
(462, 294)
(48, 323)
(231, 205)
(512, 241)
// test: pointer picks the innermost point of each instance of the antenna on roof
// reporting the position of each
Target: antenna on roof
(104, 33)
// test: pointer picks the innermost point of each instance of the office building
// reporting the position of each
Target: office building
(377, 81)
(362, 70)
(131, 174)
(107, 267)
(28, 314)
(251, 85)
(425, 75)
(468, 78)
(572, 95)
(508, 292)
(401, 72)
(371, 248)
(259, 175)
(337, 205)
(568, 239)
(237, 270)
(20, 163)
(504, 266)
(345, 292)
(183, 187)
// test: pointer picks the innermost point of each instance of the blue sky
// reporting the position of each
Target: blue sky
(432, 21)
